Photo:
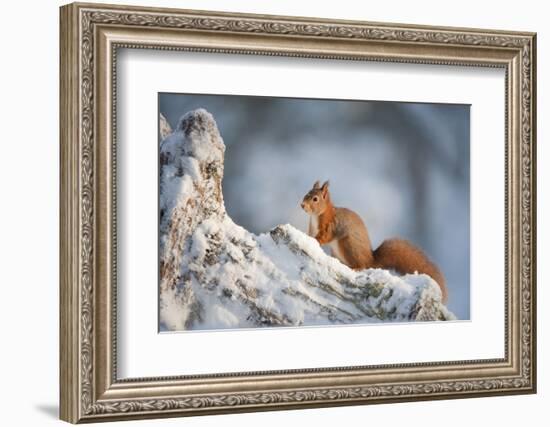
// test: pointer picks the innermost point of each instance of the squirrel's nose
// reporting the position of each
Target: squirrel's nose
(302, 205)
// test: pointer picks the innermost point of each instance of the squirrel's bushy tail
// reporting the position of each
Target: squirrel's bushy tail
(405, 258)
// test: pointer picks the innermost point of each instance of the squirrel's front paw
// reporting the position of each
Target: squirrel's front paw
(320, 239)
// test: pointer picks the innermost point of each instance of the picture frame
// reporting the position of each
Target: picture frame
(90, 38)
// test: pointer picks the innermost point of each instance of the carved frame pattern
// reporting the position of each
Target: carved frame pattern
(80, 401)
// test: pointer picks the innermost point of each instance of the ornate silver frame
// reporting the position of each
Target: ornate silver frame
(90, 36)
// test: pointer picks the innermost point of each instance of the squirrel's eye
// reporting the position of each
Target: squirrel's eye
(315, 199)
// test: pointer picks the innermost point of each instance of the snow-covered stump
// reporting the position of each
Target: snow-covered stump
(215, 274)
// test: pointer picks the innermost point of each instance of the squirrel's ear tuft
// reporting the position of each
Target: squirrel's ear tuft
(316, 185)
(324, 188)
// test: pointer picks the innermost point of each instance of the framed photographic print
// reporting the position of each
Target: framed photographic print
(234, 276)
(266, 212)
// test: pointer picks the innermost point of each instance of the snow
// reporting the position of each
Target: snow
(217, 275)
(164, 128)
(202, 138)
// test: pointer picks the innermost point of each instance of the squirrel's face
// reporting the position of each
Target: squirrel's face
(316, 200)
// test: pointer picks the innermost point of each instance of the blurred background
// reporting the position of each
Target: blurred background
(403, 167)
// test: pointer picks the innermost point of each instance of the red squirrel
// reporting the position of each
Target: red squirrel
(349, 240)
